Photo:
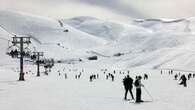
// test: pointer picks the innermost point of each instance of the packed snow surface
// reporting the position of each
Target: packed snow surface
(54, 92)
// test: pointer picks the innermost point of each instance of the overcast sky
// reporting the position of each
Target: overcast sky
(104, 9)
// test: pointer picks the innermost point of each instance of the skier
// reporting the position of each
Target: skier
(171, 71)
(183, 80)
(91, 78)
(175, 76)
(106, 77)
(112, 77)
(65, 76)
(145, 76)
(97, 76)
(114, 71)
(128, 85)
(138, 86)
(189, 76)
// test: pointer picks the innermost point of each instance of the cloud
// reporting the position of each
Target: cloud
(61, 9)
(147, 8)
(117, 6)
(105, 9)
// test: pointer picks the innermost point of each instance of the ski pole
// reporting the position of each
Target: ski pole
(148, 93)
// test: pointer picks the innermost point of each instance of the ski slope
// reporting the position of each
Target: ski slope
(146, 46)
(54, 92)
(154, 43)
(46, 31)
(108, 30)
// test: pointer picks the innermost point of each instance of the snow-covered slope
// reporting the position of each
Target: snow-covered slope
(46, 31)
(109, 30)
(154, 43)
(167, 25)
(4, 42)
(165, 46)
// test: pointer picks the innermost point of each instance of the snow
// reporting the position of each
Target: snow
(109, 30)
(167, 25)
(152, 42)
(47, 31)
(145, 45)
(54, 92)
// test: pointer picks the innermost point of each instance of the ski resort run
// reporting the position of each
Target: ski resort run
(80, 63)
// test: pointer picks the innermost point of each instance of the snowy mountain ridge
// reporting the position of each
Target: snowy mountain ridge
(47, 33)
(153, 43)
(168, 25)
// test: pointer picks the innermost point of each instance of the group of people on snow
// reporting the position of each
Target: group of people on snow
(182, 78)
(128, 85)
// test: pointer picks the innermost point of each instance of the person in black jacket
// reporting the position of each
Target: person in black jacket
(128, 85)
(183, 80)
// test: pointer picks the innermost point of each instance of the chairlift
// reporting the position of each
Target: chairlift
(33, 57)
(12, 50)
(27, 52)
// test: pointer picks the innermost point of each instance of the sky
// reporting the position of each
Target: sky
(122, 10)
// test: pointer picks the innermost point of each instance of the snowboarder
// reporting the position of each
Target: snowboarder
(138, 86)
(183, 80)
(128, 85)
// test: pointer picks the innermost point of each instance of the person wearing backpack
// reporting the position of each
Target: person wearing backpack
(128, 85)
(138, 86)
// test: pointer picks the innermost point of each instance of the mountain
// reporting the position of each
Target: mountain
(153, 43)
(156, 43)
(108, 30)
(167, 25)
(47, 35)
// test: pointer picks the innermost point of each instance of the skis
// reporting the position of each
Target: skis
(128, 99)
(140, 102)
(133, 101)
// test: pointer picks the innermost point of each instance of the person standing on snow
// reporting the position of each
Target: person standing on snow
(183, 80)
(128, 85)
(138, 86)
